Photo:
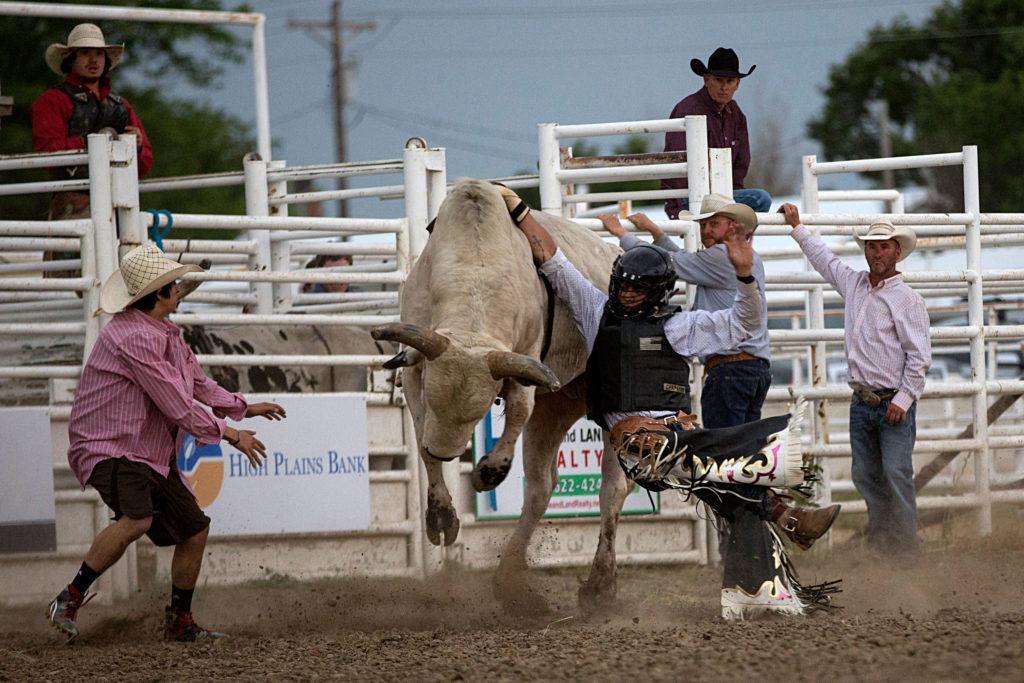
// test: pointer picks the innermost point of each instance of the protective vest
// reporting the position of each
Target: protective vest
(633, 367)
(90, 116)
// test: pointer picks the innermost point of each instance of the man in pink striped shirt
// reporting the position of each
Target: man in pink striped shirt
(139, 395)
(888, 352)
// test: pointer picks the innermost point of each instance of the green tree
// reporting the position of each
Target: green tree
(957, 79)
(187, 137)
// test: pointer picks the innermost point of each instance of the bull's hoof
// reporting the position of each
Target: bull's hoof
(441, 520)
(486, 477)
(597, 597)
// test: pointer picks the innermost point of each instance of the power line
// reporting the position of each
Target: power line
(404, 126)
(336, 29)
(448, 124)
(690, 47)
(574, 12)
(299, 112)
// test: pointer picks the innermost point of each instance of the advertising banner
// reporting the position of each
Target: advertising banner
(579, 474)
(27, 511)
(315, 478)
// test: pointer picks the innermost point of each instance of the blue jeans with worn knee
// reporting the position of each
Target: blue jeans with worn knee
(758, 200)
(883, 472)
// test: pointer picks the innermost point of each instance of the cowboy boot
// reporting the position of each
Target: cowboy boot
(803, 526)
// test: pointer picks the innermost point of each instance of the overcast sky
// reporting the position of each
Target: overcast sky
(476, 77)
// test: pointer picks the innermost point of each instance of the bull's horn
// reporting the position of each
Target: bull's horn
(523, 369)
(406, 358)
(429, 343)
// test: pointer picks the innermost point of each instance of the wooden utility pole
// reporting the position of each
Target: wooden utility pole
(336, 28)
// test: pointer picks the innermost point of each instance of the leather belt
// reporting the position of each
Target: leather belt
(714, 361)
(874, 397)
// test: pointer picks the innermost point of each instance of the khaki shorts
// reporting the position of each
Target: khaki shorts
(136, 491)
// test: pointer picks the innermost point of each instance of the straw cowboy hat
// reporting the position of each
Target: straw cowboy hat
(722, 62)
(143, 271)
(720, 205)
(83, 35)
(903, 235)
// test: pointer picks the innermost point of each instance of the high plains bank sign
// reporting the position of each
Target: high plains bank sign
(579, 474)
(315, 478)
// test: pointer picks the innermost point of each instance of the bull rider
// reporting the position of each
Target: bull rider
(638, 389)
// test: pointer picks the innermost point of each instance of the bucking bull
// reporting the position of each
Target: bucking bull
(475, 317)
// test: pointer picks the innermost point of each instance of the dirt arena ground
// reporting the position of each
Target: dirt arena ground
(960, 615)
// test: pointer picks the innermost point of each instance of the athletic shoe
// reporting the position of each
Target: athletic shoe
(180, 626)
(63, 611)
(773, 598)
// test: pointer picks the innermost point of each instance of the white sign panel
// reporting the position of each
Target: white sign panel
(315, 478)
(579, 474)
(26, 481)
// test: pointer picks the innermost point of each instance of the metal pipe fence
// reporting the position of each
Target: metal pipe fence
(255, 274)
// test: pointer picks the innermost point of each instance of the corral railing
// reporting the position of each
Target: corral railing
(947, 290)
(257, 271)
(262, 266)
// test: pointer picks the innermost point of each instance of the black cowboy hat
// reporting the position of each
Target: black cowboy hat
(722, 62)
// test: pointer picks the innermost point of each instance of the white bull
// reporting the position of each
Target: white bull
(474, 312)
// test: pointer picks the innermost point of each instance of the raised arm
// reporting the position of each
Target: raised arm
(821, 258)
(627, 241)
(703, 333)
(584, 301)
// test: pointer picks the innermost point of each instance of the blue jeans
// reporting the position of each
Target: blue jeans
(733, 393)
(883, 472)
(759, 200)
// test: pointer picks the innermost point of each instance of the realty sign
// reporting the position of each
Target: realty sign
(315, 478)
(579, 474)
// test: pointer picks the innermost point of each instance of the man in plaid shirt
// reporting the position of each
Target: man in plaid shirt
(888, 352)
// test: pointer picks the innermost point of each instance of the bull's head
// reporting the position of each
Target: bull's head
(459, 383)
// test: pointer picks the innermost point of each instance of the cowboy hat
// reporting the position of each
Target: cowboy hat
(722, 62)
(903, 235)
(143, 271)
(83, 35)
(720, 205)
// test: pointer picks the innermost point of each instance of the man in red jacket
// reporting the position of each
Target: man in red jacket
(63, 116)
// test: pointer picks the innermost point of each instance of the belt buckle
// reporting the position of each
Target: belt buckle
(870, 398)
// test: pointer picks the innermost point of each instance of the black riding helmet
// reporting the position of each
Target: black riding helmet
(648, 267)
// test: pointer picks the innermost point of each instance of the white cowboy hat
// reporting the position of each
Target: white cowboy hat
(718, 204)
(143, 271)
(903, 235)
(83, 35)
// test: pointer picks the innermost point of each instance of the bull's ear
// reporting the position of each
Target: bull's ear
(403, 359)
(523, 369)
(429, 343)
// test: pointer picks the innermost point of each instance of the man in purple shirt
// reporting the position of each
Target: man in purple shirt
(727, 128)
(888, 352)
(138, 397)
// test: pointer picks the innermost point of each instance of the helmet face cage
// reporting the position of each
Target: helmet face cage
(645, 267)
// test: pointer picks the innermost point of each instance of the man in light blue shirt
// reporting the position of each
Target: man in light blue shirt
(736, 380)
